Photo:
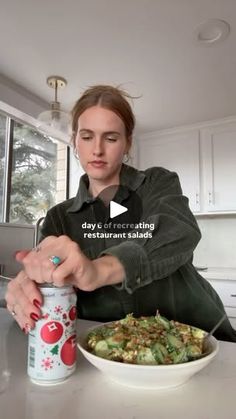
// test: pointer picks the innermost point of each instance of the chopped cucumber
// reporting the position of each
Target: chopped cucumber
(174, 341)
(193, 350)
(145, 357)
(159, 352)
(116, 341)
(163, 321)
(179, 356)
(101, 349)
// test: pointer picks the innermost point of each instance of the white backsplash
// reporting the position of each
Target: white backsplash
(217, 247)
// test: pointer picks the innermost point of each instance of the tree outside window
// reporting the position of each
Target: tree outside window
(36, 174)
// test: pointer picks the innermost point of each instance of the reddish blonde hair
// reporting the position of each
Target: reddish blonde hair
(108, 97)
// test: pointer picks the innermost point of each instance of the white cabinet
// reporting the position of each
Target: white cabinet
(219, 167)
(233, 321)
(179, 153)
(226, 289)
(205, 160)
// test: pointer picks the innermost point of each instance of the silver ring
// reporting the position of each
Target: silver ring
(55, 260)
(36, 249)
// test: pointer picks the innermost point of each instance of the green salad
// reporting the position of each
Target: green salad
(150, 340)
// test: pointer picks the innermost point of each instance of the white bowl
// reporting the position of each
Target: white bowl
(147, 376)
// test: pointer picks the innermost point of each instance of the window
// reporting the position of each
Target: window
(3, 120)
(35, 176)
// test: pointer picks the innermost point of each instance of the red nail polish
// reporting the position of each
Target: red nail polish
(34, 316)
(24, 330)
(37, 303)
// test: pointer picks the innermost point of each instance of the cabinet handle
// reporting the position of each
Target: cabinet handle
(197, 198)
(233, 295)
(209, 197)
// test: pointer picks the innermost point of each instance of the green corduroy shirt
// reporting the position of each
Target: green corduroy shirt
(159, 274)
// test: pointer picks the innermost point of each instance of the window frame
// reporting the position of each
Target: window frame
(9, 138)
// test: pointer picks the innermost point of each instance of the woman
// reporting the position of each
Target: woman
(116, 275)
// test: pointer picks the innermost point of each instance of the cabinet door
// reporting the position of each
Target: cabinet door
(226, 289)
(219, 164)
(179, 153)
(233, 322)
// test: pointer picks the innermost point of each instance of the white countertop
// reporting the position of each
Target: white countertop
(218, 273)
(88, 394)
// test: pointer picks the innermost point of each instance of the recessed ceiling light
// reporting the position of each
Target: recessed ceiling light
(212, 31)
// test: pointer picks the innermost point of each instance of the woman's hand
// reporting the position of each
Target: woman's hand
(24, 301)
(75, 268)
(23, 296)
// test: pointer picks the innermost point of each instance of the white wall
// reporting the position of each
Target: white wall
(19, 98)
(24, 106)
(75, 172)
(218, 245)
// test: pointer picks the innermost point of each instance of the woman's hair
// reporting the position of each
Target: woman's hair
(108, 97)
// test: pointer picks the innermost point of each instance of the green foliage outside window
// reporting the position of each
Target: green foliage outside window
(33, 173)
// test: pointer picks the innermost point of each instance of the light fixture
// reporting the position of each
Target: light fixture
(212, 31)
(55, 120)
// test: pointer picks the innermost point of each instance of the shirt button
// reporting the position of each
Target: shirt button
(138, 281)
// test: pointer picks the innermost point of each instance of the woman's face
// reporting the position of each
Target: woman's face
(101, 143)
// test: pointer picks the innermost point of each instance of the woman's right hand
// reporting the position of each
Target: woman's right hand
(24, 301)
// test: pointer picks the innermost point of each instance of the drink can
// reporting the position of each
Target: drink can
(52, 343)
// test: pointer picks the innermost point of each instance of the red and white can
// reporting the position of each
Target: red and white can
(52, 343)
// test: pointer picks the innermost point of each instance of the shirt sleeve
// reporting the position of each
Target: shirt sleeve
(174, 237)
(51, 226)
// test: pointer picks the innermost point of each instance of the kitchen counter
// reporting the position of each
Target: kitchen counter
(88, 394)
(218, 273)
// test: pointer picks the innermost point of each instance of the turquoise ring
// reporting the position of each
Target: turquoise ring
(55, 260)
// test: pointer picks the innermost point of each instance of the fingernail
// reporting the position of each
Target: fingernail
(24, 330)
(27, 328)
(37, 303)
(34, 316)
(15, 253)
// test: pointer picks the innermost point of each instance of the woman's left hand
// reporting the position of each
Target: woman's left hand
(73, 268)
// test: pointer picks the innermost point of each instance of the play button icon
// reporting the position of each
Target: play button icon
(116, 209)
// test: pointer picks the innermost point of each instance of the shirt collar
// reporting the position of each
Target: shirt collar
(129, 177)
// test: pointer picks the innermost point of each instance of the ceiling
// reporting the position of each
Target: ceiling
(147, 46)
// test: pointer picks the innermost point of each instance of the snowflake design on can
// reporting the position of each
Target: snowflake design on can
(58, 309)
(47, 363)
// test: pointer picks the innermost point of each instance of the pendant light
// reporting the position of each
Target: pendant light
(55, 120)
